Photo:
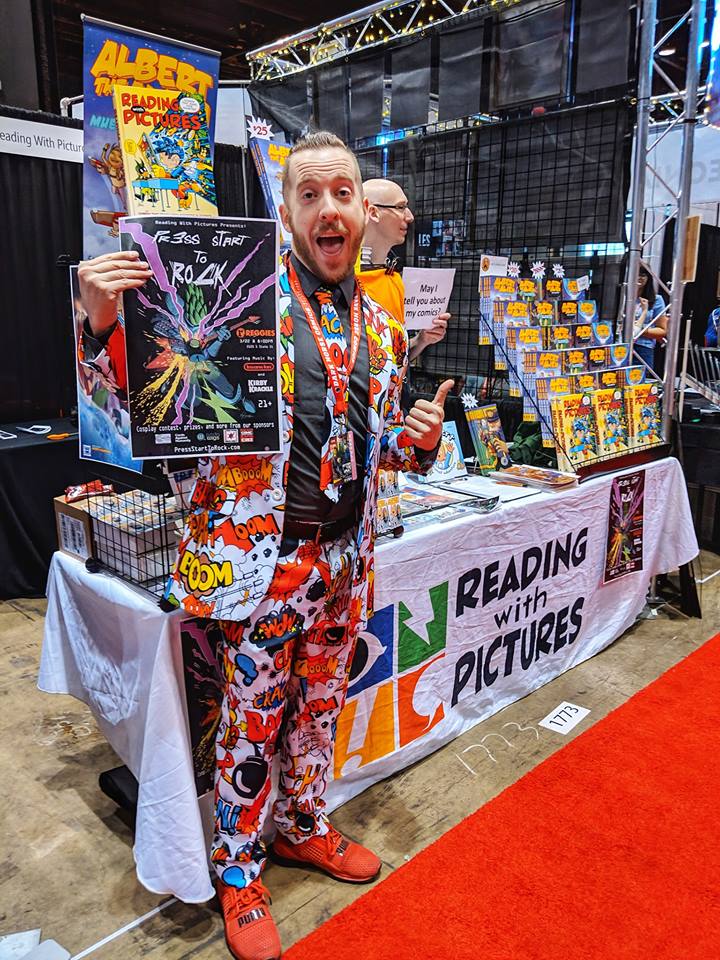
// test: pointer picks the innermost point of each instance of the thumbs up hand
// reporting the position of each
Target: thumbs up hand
(423, 425)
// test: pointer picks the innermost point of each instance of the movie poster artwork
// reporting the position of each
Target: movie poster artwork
(103, 418)
(202, 337)
(625, 526)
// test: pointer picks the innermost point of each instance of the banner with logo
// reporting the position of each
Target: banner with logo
(114, 54)
(474, 614)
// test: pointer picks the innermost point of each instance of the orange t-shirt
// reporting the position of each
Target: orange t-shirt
(386, 289)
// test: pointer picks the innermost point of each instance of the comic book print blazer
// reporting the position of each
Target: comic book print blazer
(229, 548)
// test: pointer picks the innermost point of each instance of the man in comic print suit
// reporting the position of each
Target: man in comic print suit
(279, 549)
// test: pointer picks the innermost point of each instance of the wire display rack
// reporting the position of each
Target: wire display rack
(538, 188)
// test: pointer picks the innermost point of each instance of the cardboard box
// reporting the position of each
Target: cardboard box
(74, 528)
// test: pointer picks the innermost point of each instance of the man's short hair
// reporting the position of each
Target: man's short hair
(319, 140)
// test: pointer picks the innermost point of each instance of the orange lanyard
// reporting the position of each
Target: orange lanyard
(339, 388)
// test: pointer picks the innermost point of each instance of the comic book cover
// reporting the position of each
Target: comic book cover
(494, 291)
(624, 551)
(389, 516)
(550, 389)
(560, 336)
(528, 340)
(575, 361)
(597, 358)
(515, 313)
(584, 382)
(583, 335)
(576, 429)
(571, 289)
(618, 355)
(449, 462)
(608, 378)
(527, 289)
(587, 311)
(103, 418)
(202, 337)
(568, 312)
(602, 333)
(553, 288)
(270, 152)
(544, 312)
(611, 419)
(488, 439)
(629, 376)
(167, 152)
(643, 400)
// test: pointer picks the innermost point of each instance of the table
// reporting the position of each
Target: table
(461, 629)
(31, 474)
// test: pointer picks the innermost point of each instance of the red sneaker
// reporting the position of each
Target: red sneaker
(250, 931)
(333, 854)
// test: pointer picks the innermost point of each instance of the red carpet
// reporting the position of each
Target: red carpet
(609, 849)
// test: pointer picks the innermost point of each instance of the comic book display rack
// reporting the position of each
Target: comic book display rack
(596, 406)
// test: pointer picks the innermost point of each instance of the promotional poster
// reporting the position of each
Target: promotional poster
(269, 156)
(103, 418)
(119, 55)
(625, 526)
(202, 337)
(167, 153)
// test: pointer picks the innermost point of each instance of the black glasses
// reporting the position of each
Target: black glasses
(402, 206)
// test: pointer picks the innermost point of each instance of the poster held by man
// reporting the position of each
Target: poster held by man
(202, 338)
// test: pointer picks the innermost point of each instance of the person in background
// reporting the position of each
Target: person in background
(650, 319)
(389, 216)
(711, 334)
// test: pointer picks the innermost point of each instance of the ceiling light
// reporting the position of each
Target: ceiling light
(666, 52)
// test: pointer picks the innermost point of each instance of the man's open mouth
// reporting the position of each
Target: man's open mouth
(331, 244)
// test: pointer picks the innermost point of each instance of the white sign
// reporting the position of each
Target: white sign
(476, 612)
(564, 717)
(493, 266)
(30, 139)
(427, 292)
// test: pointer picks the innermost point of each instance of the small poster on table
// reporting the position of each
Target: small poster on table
(103, 418)
(202, 337)
(427, 293)
(449, 463)
(625, 526)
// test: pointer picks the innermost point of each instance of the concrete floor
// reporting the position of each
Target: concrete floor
(66, 861)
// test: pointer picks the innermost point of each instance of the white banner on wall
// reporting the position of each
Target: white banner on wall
(665, 158)
(30, 139)
(473, 616)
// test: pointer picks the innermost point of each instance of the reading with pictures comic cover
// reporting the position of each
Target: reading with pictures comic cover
(202, 337)
(166, 150)
(644, 413)
(576, 429)
(624, 551)
(611, 421)
(488, 439)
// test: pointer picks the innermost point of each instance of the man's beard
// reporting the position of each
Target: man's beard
(305, 253)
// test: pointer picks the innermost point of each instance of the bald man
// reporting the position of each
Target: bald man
(389, 216)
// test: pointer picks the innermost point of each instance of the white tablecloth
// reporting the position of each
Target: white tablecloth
(110, 646)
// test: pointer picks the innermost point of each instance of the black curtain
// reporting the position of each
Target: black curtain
(40, 212)
(285, 102)
(40, 205)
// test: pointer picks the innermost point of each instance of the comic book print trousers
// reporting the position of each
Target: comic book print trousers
(286, 673)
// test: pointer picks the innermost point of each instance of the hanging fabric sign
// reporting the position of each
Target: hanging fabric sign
(114, 54)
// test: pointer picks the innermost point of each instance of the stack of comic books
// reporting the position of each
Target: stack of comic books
(591, 401)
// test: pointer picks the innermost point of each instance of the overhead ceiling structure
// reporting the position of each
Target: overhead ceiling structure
(232, 27)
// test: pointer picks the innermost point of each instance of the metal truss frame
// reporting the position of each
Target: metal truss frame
(682, 108)
(373, 26)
